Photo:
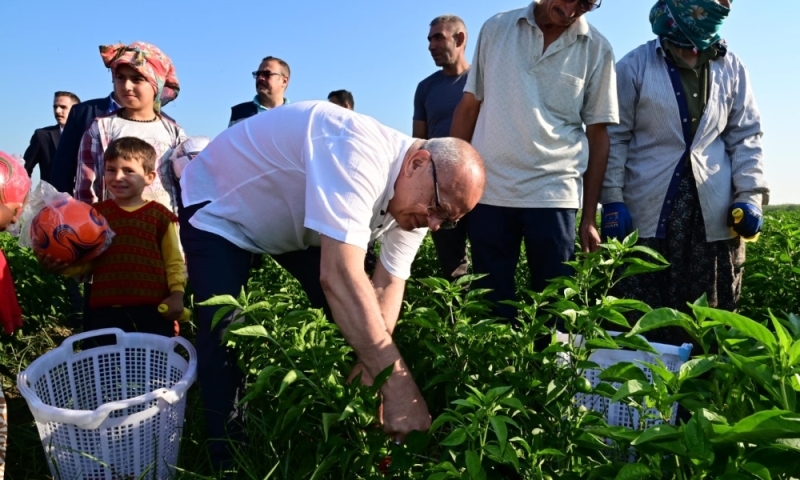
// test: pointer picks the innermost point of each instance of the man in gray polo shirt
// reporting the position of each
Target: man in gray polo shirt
(539, 74)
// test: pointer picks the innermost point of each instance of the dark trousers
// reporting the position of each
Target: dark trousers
(218, 267)
(451, 248)
(142, 319)
(496, 233)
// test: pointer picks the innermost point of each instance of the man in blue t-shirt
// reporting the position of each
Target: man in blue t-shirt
(434, 103)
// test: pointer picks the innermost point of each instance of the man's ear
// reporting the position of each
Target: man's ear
(149, 178)
(418, 160)
(461, 39)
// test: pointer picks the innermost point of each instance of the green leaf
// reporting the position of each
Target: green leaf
(250, 331)
(757, 370)
(696, 367)
(747, 327)
(657, 433)
(614, 317)
(601, 342)
(494, 393)
(328, 419)
(550, 451)
(474, 465)
(660, 370)
(501, 430)
(697, 442)
(784, 339)
(760, 428)
(289, 379)
(516, 404)
(794, 354)
(633, 471)
(441, 420)
(554, 390)
(635, 343)
(632, 388)
(455, 439)
(622, 372)
(759, 471)
(660, 318)
(220, 300)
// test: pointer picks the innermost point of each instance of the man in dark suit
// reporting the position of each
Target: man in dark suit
(65, 162)
(45, 140)
(272, 79)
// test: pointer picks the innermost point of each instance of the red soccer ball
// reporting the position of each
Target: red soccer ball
(14, 180)
(70, 231)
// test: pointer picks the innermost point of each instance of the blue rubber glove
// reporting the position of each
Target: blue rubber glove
(616, 221)
(745, 219)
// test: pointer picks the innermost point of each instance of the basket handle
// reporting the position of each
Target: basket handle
(69, 342)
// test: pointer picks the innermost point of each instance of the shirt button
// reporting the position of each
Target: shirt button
(684, 120)
(695, 95)
(678, 93)
(677, 174)
(671, 69)
(694, 119)
(669, 201)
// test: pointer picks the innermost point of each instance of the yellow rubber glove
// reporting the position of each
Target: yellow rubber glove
(185, 316)
(738, 215)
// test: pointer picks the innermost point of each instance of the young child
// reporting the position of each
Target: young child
(143, 266)
(144, 81)
(10, 317)
(10, 314)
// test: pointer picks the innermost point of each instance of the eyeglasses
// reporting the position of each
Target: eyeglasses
(265, 73)
(590, 5)
(446, 224)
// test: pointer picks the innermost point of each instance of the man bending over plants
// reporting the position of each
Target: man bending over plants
(312, 184)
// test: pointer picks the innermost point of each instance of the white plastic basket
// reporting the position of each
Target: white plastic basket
(111, 412)
(619, 414)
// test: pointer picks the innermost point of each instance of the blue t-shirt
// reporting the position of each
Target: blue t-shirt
(436, 99)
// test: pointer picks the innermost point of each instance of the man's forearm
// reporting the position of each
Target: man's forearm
(598, 161)
(389, 290)
(354, 304)
(465, 117)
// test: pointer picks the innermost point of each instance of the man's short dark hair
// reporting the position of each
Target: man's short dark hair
(452, 19)
(132, 148)
(71, 96)
(285, 66)
(342, 97)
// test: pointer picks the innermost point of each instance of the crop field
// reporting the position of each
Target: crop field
(506, 402)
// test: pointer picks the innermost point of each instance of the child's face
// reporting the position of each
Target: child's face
(126, 180)
(132, 89)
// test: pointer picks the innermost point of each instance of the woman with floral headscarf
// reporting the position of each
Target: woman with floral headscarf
(144, 82)
(686, 166)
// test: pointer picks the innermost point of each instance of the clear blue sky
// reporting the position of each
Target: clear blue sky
(376, 49)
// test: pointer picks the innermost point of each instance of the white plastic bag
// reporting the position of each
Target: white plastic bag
(186, 152)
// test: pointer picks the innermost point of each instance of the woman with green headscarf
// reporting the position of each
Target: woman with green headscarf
(686, 164)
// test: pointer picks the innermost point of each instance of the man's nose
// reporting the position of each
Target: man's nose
(570, 8)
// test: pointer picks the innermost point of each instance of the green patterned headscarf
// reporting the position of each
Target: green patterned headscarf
(689, 23)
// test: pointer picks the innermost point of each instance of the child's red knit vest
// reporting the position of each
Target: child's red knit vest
(132, 272)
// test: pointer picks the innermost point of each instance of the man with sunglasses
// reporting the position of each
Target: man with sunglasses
(539, 74)
(272, 79)
(314, 184)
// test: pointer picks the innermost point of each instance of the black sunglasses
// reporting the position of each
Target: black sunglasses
(590, 5)
(446, 224)
(265, 74)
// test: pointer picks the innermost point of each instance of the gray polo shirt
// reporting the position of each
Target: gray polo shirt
(530, 127)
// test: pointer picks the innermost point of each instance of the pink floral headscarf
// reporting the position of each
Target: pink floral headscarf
(150, 62)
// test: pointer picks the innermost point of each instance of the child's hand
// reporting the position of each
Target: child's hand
(175, 304)
(50, 264)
